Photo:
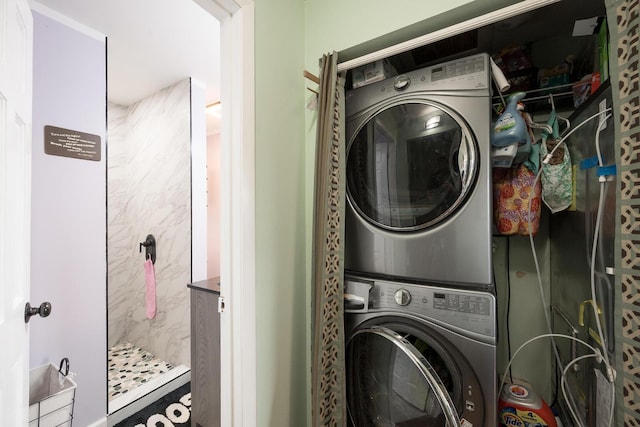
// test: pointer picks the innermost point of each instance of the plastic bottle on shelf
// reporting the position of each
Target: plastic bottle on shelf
(510, 128)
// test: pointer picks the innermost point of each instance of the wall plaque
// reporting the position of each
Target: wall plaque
(71, 143)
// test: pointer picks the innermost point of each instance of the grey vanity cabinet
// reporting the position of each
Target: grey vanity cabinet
(205, 353)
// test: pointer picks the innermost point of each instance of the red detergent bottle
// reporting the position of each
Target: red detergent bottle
(520, 407)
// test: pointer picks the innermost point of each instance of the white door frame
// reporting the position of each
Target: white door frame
(16, 89)
(237, 207)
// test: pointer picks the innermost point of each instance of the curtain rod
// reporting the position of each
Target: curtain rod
(471, 24)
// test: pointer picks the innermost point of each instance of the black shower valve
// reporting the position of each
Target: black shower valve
(150, 248)
(146, 244)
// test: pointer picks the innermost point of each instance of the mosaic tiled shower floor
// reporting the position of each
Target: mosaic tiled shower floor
(130, 366)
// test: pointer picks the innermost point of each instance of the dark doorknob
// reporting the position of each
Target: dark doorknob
(44, 310)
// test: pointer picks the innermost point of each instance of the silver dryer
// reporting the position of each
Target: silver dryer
(418, 175)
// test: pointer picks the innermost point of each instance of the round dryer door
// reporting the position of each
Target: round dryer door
(411, 165)
(390, 383)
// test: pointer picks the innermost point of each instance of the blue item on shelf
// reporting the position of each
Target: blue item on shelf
(510, 128)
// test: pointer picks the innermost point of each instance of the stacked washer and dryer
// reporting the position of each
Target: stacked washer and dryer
(420, 308)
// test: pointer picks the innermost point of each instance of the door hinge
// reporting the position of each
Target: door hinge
(220, 304)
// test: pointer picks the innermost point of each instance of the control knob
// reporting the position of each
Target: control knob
(402, 297)
(401, 82)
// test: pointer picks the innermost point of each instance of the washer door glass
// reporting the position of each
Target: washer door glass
(410, 166)
(389, 383)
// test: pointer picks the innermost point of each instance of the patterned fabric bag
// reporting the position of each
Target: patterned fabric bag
(516, 201)
(557, 182)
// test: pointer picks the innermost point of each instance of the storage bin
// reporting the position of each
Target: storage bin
(51, 397)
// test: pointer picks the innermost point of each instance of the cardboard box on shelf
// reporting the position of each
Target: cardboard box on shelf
(373, 72)
(560, 75)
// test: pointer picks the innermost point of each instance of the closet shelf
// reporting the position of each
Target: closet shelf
(539, 94)
(562, 100)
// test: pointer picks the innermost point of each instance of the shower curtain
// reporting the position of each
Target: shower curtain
(328, 396)
(623, 18)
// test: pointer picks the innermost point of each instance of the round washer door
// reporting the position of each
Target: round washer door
(390, 383)
(411, 165)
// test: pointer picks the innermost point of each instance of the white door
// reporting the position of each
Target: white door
(16, 36)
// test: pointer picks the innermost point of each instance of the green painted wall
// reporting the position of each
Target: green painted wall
(281, 288)
(339, 25)
(520, 301)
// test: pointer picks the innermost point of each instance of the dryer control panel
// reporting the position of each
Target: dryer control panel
(469, 73)
(461, 69)
(462, 310)
(468, 76)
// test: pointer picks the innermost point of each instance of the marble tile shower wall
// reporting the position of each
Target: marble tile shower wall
(149, 193)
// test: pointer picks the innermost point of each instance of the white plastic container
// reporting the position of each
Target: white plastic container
(51, 397)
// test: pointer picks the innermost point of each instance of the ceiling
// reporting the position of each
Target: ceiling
(151, 45)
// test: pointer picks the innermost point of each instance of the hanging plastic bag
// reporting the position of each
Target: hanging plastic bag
(557, 182)
(516, 201)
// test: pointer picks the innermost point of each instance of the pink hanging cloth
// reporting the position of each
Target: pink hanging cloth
(150, 281)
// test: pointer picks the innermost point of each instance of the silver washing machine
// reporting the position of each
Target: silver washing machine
(418, 175)
(419, 355)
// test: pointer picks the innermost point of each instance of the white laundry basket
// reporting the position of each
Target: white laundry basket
(51, 396)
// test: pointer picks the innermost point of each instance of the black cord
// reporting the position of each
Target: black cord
(555, 391)
(508, 307)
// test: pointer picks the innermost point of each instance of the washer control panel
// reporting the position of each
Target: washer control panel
(464, 310)
(461, 303)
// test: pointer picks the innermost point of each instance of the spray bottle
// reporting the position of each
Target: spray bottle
(510, 128)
